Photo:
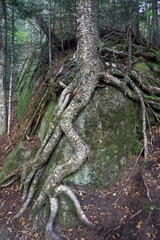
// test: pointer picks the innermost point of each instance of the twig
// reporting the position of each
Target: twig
(148, 193)
(137, 213)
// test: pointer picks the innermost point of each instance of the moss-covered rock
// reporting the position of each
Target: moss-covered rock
(14, 160)
(143, 68)
(110, 125)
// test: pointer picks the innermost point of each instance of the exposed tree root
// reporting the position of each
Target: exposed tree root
(143, 117)
(54, 209)
(147, 188)
(10, 180)
(72, 196)
(105, 50)
(155, 115)
(31, 192)
(127, 91)
(147, 88)
(53, 214)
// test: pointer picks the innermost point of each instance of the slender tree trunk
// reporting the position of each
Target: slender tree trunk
(113, 14)
(130, 37)
(50, 37)
(70, 24)
(135, 25)
(11, 76)
(155, 22)
(148, 23)
(61, 24)
(3, 41)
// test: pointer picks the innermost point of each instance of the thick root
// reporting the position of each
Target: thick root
(72, 196)
(143, 117)
(54, 209)
(53, 214)
(10, 181)
(51, 140)
(30, 193)
(40, 160)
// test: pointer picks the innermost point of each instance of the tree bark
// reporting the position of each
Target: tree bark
(3, 41)
(135, 25)
(61, 24)
(155, 22)
(83, 86)
(11, 76)
(130, 36)
(147, 23)
(49, 36)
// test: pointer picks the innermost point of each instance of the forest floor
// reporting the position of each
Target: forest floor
(130, 209)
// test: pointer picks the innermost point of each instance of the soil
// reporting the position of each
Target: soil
(130, 209)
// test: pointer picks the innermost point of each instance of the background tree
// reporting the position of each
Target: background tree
(11, 75)
(3, 44)
(155, 22)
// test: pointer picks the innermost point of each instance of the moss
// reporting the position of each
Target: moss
(23, 101)
(46, 120)
(143, 68)
(14, 160)
(47, 210)
(153, 97)
(67, 216)
(10, 163)
(136, 133)
(145, 164)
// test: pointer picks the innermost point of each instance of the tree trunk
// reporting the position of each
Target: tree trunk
(61, 24)
(135, 25)
(50, 36)
(147, 23)
(3, 40)
(130, 37)
(155, 22)
(82, 88)
(11, 76)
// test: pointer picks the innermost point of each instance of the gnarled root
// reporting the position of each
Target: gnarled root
(80, 153)
(53, 214)
(54, 209)
(51, 140)
(30, 193)
(143, 117)
(72, 196)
